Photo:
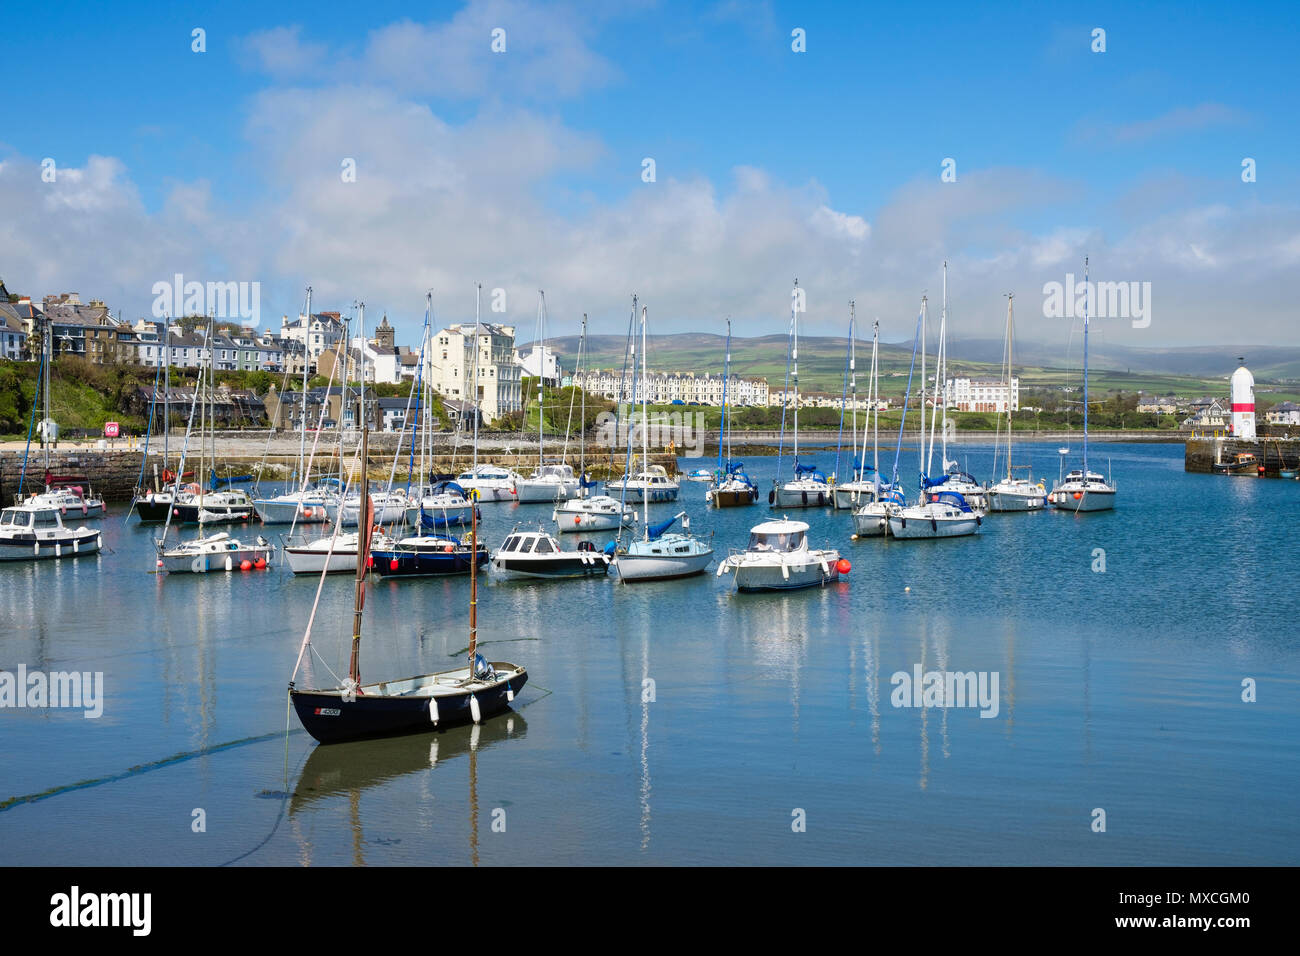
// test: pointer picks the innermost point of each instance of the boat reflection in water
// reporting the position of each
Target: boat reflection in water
(350, 769)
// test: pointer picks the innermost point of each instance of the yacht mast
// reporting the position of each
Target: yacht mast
(1010, 333)
(794, 359)
(302, 398)
(1085, 369)
(853, 379)
(478, 290)
(645, 427)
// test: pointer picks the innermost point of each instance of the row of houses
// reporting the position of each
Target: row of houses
(667, 388)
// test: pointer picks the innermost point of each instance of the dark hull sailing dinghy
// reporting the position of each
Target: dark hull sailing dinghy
(357, 711)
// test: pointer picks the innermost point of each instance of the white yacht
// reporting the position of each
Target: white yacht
(1012, 493)
(215, 552)
(391, 507)
(651, 485)
(35, 532)
(490, 482)
(548, 483)
(662, 554)
(872, 519)
(809, 489)
(299, 507)
(778, 559)
(1084, 490)
(946, 514)
(597, 513)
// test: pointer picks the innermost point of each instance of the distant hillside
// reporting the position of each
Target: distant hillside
(822, 360)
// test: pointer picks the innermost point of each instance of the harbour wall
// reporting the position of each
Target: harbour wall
(1279, 451)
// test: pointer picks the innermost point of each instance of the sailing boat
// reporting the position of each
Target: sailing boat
(809, 487)
(307, 504)
(660, 554)
(554, 480)
(583, 512)
(216, 552)
(952, 479)
(1011, 493)
(858, 490)
(1081, 489)
(942, 511)
(733, 488)
(356, 711)
(871, 519)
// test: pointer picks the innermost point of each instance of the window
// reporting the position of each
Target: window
(543, 546)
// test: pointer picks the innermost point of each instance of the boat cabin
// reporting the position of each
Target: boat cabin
(26, 519)
(778, 536)
(530, 542)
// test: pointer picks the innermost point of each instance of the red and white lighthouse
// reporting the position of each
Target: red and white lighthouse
(1243, 403)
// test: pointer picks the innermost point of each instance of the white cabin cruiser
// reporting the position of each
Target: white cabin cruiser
(548, 483)
(778, 559)
(33, 532)
(597, 513)
(651, 485)
(69, 499)
(536, 554)
(1083, 492)
(491, 482)
(216, 552)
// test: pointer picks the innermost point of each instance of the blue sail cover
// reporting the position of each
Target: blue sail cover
(809, 471)
(736, 470)
(893, 495)
(927, 482)
(655, 530)
(952, 498)
(449, 486)
(443, 521)
(585, 483)
(214, 482)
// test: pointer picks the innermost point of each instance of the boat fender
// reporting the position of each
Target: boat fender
(58, 550)
(83, 508)
(826, 571)
(197, 566)
(785, 571)
(474, 711)
(934, 525)
(229, 563)
(805, 497)
(903, 522)
(723, 568)
(821, 498)
(510, 694)
(771, 497)
(978, 521)
(433, 710)
(63, 509)
(577, 519)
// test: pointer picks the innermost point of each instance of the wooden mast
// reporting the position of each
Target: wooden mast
(363, 551)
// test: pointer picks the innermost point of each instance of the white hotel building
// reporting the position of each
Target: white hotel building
(449, 367)
(664, 389)
(981, 395)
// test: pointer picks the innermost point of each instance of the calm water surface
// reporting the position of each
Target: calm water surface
(1119, 690)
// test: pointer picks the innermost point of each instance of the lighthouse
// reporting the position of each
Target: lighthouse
(1243, 403)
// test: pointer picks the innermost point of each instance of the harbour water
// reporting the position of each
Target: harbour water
(1120, 688)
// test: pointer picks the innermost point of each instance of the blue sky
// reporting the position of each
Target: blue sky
(523, 169)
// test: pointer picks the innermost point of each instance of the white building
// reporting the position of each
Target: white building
(318, 333)
(450, 367)
(664, 389)
(539, 360)
(981, 395)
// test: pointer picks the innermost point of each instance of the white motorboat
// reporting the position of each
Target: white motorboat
(35, 532)
(652, 484)
(871, 520)
(1083, 490)
(945, 514)
(548, 483)
(69, 499)
(700, 475)
(215, 552)
(489, 482)
(597, 513)
(778, 559)
(536, 554)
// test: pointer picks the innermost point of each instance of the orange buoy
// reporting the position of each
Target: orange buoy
(1078, 495)
(577, 519)
(160, 564)
(392, 565)
(370, 561)
(176, 512)
(448, 549)
(260, 563)
(843, 566)
(245, 565)
(306, 512)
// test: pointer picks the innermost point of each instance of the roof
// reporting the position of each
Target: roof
(783, 526)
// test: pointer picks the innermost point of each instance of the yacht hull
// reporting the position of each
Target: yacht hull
(70, 544)
(661, 567)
